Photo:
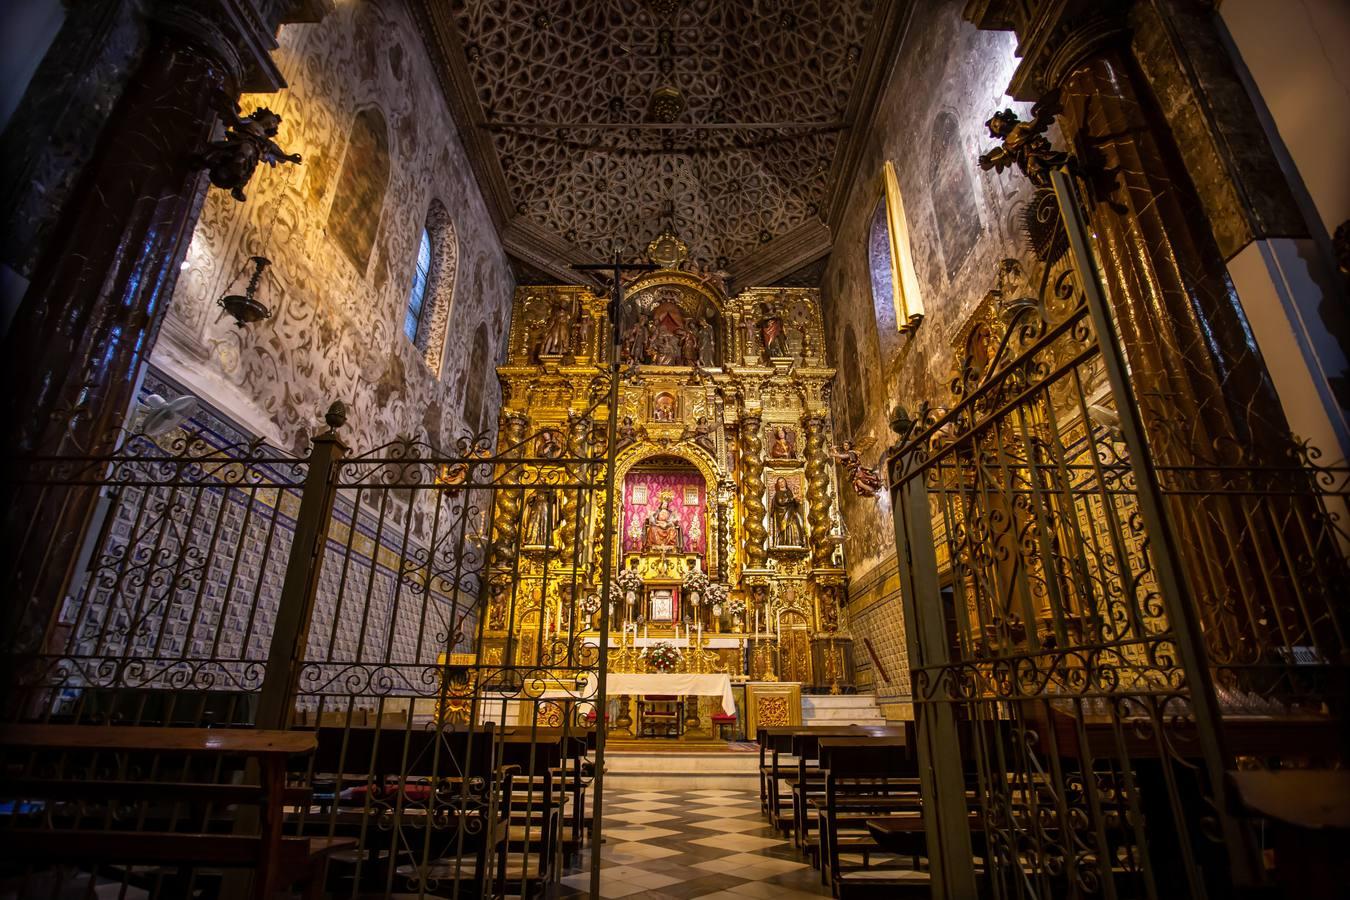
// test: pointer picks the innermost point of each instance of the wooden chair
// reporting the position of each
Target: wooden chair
(72, 796)
(660, 713)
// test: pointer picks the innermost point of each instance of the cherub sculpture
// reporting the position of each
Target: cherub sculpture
(248, 141)
(1024, 145)
(866, 481)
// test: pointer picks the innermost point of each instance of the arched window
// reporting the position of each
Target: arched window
(894, 282)
(412, 318)
(426, 319)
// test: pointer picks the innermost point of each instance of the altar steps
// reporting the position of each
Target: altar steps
(674, 769)
(841, 709)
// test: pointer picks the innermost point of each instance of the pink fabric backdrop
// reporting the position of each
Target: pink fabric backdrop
(693, 519)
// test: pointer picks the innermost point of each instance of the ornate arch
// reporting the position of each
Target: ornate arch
(696, 456)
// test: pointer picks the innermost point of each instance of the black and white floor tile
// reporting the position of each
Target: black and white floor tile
(714, 844)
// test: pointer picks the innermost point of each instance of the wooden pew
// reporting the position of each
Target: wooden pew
(775, 764)
(808, 783)
(864, 778)
(178, 822)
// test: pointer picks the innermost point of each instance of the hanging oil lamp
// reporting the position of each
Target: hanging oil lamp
(247, 308)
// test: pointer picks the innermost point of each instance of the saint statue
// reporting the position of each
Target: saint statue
(789, 528)
(772, 332)
(663, 410)
(556, 338)
(707, 337)
(634, 349)
(781, 448)
(538, 521)
(689, 345)
(661, 529)
(628, 433)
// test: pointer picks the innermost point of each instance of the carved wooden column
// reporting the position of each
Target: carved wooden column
(100, 286)
(506, 510)
(752, 491)
(818, 494)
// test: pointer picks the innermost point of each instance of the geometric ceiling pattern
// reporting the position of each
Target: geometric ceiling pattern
(768, 82)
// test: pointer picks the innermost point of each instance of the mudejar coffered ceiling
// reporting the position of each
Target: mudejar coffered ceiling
(598, 123)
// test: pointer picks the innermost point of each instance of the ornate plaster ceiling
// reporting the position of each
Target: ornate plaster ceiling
(771, 82)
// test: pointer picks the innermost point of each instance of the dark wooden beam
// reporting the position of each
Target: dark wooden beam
(780, 256)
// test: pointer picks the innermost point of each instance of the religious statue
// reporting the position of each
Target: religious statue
(629, 433)
(556, 338)
(1024, 145)
(701, 433)
(866, 481)
(580, 339)
(248, 141)
(782, 445)
(785, 510)
(772, 333)
(661, 529)
(828, 595)
(707, 338)
(548, 445)
(689, 344)
(634, 344)
(663, 408)
(538, 520)
(663, 347)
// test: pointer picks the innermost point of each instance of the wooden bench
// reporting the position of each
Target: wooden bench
(70, 788)
(808, 782)
(775, 764)
(865, 778)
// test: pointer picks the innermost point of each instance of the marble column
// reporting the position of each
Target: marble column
(752, 491)
(819, 497)
(99, 288)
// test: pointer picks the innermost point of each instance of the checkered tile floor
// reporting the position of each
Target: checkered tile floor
(714, 844)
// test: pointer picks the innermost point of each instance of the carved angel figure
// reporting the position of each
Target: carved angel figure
(701, 433)
(866, 481)
(248, 141)
(1024, 145)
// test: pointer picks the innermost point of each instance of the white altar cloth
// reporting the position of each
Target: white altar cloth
(676, 684)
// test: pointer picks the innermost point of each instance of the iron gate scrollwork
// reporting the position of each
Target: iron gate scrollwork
(226, 584)
(1098, 623)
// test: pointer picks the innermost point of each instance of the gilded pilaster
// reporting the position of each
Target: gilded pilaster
(506, 510)
(818, 493)
(752, 491)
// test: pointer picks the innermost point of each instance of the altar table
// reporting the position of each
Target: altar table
(674, 684)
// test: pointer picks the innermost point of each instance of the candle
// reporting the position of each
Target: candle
(700, 632)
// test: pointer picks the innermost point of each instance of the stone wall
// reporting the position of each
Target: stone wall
(341, 272)
(930, 125)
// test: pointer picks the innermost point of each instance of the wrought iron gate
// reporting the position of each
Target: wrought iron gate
(224, 584)
(1097, 633)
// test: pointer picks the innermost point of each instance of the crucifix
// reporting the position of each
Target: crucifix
(615, 271)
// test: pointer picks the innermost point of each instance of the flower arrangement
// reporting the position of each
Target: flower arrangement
(736, 608)
(590, 604)
(663, 657)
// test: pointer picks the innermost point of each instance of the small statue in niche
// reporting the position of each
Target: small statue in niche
(783, 445)
(548, 445)
(828, 595)
(248, 141)
(866, 481)
(663, 408)
(661, 530)
(701, 433)
(1024, 144)
(785, 509)
(772, 333)
(556, 338)
(538, 520)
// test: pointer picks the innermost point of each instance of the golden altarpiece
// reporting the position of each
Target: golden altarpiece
(725, 525)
